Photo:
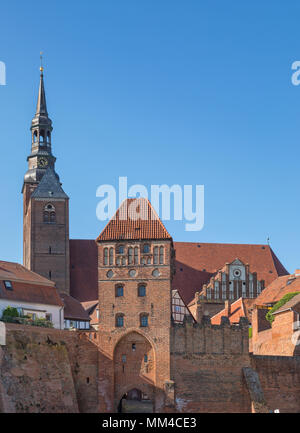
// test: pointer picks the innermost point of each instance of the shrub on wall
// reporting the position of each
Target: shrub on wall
(283, 300)
(9, 314)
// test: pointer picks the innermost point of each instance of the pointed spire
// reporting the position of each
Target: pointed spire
(41, 107)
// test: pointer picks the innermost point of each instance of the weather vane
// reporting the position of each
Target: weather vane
(268, 240)
(41, 57)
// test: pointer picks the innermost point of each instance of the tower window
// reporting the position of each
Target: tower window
(120, 320)
(105, 257)
(141, 290)
(136, 255)
(144, 320)
(42, 136)
(145, 358)
(161, 255)
(49, 215)
(121, 249)
(133, 347)
(119, 291)
(50, 274)
(130, 256)
(35, 136)
(48, 137)
(146, 248)
(156, 250)
(111, 256)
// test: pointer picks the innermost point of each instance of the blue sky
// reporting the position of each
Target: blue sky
(172, 91)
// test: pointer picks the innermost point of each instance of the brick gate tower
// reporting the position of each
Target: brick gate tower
(135, 269)
(45, 205)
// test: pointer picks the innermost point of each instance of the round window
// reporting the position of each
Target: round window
(156, 273)
(237, 273)
(132, 272)
(110, 274)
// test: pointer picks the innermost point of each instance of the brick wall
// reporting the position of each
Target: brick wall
(280, 380)
(206, 366)
(47, 370)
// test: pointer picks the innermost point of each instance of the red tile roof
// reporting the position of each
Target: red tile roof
(83, 269)
(27, 286)
(196, 263)
(239, 308)
(134, 220)
(91, 308)
(278, 288)
(73, 308)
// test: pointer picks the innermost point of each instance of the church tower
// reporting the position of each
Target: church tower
(45, 205)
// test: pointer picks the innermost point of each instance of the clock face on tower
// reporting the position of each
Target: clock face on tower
(42, 162)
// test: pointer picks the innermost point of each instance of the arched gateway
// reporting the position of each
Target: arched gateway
(134, 374)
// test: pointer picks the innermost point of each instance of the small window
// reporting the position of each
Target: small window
(145, 358)
(49, 317)
(111, 256)
(8, 285)
(121, 249)
(142, 290)
(156, 250)
(119, 291)
(105, 256)
(123, 359)
(144, 320)
(133, 347)
(136, 255)
(161, 255)
(146, 248)
(120, 321)
(130, 256)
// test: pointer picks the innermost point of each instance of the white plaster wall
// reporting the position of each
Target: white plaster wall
(55, 311)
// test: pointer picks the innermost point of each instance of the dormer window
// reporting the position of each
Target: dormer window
(8, 285)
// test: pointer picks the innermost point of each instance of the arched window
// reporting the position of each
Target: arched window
(49, 215)
(119, 320)
(130, 256)
(121, 249)
(119, 290)
(35, 136)
(144, 320)
(105, 256)
(136, 255)
(142, 290)
(42, 136)
(161, 255)
(48, 137)
(146, 248)
(111, 256)
(156, 250)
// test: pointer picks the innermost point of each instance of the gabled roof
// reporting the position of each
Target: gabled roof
(196, 263)
(239, 308)
(27, 286)
(134, 220)
(73, 309)
(278, 288)
(49, 187)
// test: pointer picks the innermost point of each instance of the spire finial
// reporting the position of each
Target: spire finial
(41, 57)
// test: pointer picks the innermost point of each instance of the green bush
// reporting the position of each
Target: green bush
(9, 314)
(283, 300)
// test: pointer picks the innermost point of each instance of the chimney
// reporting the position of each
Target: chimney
(227, 308)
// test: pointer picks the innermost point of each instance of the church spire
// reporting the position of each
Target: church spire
(41, 128)
(41, 107)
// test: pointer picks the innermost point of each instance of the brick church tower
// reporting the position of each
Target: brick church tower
(45, 205)
(135, 269)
